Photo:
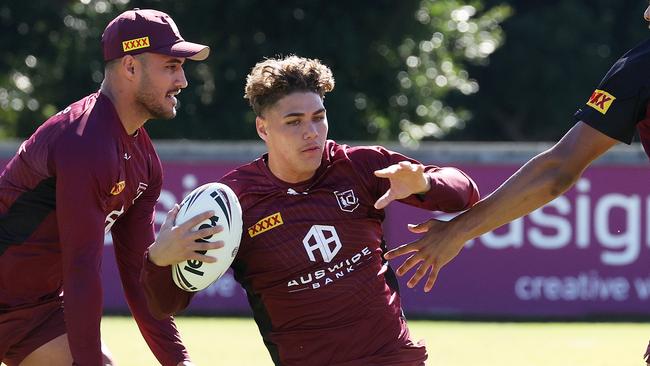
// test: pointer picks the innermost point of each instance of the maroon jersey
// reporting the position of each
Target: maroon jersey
(77, 177)
(311, 260)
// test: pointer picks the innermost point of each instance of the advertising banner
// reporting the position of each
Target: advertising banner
(587, 253)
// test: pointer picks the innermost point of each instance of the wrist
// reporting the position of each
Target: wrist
(459, 226)
(153, 256)
(423, 192)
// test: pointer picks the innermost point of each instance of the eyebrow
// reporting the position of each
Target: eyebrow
(174, 61)
(297, 114)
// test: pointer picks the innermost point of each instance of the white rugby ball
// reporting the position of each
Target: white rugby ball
(193, 275)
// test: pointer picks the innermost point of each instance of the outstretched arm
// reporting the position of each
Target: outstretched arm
(539, 181)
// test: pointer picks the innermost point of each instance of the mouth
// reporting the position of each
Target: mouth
(171, 96)
(312, 149)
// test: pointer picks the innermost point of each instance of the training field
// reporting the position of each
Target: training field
(235, 341)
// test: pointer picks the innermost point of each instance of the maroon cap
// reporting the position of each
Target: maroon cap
(146, 30)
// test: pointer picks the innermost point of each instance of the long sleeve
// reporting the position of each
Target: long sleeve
(81, 233)
(451, 189)
(132, 234)
(163, 296)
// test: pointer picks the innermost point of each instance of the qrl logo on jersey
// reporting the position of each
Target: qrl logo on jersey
(348, 202)
(324, 239)
(601, 101)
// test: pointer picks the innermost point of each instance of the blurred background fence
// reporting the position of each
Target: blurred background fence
(584, 256)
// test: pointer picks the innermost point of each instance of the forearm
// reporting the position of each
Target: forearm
(83, 299)
(538, 182)
(162, 296)
(161, 336)
(449, 190)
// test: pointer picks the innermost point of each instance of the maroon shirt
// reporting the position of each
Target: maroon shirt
(75, 178)
(311, 259)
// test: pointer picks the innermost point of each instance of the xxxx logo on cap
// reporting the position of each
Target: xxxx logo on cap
(135, 44)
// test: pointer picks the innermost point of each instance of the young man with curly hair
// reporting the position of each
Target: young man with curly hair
(311, 256)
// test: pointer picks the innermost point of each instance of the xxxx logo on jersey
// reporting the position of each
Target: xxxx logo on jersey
(265, 224)
(601, 101)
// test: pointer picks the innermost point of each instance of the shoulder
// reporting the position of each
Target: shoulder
(87, 134)
(629, 73)
(245, 176)
(62, 133)
(338, 152)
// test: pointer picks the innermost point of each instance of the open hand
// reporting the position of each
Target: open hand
(437, 247)
(406, 178)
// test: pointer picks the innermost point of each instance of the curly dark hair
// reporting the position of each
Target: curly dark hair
(272, 79)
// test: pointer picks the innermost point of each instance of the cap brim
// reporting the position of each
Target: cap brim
(192, 51)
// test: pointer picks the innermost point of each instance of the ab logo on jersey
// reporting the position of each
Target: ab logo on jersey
(322, 238)
(265, 224)
(348, 202)
(601, 100)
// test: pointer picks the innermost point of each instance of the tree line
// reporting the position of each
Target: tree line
(405, 70)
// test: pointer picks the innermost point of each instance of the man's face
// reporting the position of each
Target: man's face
(161, 80)
(295, 130)
(646, 14)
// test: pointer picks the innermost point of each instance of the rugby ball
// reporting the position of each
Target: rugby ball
(193, 275)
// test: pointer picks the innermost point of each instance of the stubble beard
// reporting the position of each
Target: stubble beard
(147, 100)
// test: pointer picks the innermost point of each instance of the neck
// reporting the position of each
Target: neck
(130, 115)
(286, 175)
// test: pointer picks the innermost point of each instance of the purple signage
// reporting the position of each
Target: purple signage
(585, 253)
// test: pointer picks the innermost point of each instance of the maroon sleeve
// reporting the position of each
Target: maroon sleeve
(163, 296)
(132, 234)
(451, 189)
(81, 232)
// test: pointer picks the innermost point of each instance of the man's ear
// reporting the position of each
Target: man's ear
(260, 126)
(128, 66)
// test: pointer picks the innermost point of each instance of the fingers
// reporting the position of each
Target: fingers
(387, 172)
(171, 217)
(408, 264)
(187, 225)
(384, 200)
(201, 258)
(205, 246)
(206, 233)
(433, 276)
(401, 250)
(402, 165)
(420, 228)
(197, 251)
(418, 275)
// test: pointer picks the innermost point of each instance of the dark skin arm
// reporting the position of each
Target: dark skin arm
(540, 180)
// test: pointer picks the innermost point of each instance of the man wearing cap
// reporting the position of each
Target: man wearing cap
(88, 170)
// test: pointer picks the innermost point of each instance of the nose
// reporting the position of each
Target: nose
(181, 81)
(311, 131)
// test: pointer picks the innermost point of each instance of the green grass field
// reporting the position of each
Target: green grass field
(230, 341)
